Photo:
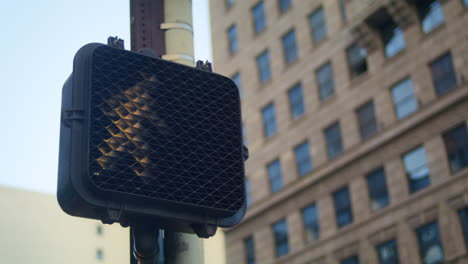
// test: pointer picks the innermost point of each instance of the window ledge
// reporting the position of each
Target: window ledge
(329, 100)
(298, 120)
(358, 80)
(391, 60)
(292, 64)
(432, 32)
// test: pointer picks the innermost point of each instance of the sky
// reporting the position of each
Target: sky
(38, 43)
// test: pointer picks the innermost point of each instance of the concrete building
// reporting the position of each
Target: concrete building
(35, 230)
(355, 115)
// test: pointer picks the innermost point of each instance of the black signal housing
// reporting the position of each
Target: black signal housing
(141, 137)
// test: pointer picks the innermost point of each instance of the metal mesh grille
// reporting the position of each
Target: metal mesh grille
(165, 131)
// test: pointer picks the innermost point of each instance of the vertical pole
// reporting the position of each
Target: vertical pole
(178, 31)
(180, 248)
(165, 26)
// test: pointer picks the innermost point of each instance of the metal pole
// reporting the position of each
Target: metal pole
(180, 248)
(165, 26)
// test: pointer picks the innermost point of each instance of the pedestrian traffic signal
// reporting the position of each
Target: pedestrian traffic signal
(142, 137)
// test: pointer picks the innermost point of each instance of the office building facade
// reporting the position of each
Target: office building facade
(355, 114)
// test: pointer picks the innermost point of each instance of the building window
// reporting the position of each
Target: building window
(238, 81)
(232, 37)
(249, 250)
(296, 101)
(378, 192)
(356, 60)
(99, 230)
(443, 74)
(343, 11)
(391, 34)
(430, 246)
(367, 120)
(275, 176)
(289, 46)
(463, 213)
(318, 25)
(393, 39)
(258, 13)
(343, 211)
(263, 66)
(403, 98)
(229, 3)
(465, 2)
(333, 139)
(269, 120)
(303, 160)
(417, 169)
(324, 76)
(456, 144)
(310, 218)
(388, 252)
(280, 231)
(430, 13)
(284, 5)
(350, 260)
(248, 193)
(99, 254)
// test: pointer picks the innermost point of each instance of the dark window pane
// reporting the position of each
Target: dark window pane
(99, 230)
(456, 144)
(99, 254)
(249, 250)
(343, 11)
(248, 193)
(289, 46)
(229, 3)
(269, 120)
(350, 260)
(443, 74)
(367, 121)
(258, 13)
(356, 60)
(296, 101)
(377, 186)
(311, 222)
(318, 25)
(333, 138)
(343, 211)
(430, 246)
(431, 14)
(275, 176)
(280, 231)
(417, 169)
(394, 40)
(388, 252)
(325, 81)
(284, 5)
(403, 98)
(232, 36)
(463, 213)
(238, 81)
(263, 66)
(303, 160)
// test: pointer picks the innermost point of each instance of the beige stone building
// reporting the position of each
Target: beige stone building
(34, 229)
(355, 114)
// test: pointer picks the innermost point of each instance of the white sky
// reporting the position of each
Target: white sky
(39, 40)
